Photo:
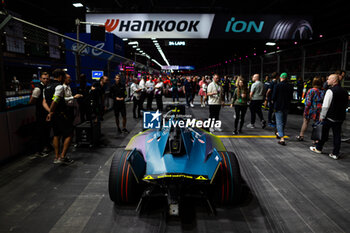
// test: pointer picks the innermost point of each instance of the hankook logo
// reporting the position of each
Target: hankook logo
(151, 25)
(154, 25)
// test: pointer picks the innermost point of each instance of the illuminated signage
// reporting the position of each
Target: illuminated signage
(204, 26)
(177, 67)
(96, 74)
(176, 43)
(154, 25)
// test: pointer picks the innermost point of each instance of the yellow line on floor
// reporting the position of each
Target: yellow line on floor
(248, 136)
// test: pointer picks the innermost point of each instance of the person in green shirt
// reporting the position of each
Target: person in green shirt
(240, 102)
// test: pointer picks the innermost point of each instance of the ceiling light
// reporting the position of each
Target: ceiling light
(138, 49)
(125, 39)
(270, 43)
(134, 46)
(78, 4)
(133, 42)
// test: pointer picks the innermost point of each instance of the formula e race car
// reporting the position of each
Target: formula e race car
(174, 162)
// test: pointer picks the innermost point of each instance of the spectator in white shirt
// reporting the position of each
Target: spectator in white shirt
(69, 98)
(142, 86)
(158, 93)
(215, 100)
(150, 92)
(136, 94)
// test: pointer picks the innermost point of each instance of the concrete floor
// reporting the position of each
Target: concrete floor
(290, 188)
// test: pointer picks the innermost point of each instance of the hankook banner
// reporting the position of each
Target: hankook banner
(204, 26)
(154, 25)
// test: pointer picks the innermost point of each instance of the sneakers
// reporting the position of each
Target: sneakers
(211, 130)
(313, 148)
(44, 154)
(34, 156)
(331, 155)
(235, 132)
(263, 124)
(39, 155)
(218, 129)
(251, 126)
(67, 160)
(192, 105)
(57, 161)
(125, 130)
(282, 143)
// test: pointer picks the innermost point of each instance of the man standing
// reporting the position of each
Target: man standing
(187, 89)
(332, 115)
(215, 100)
(282, 97)
(98, 97)
(226, 87)
(142, 86)
(136, 94)
(118, 94)
(42, 133)
(158, 94)
(150, 92)
(270, 115)
(83, 88)
(257, 99)
(69, 98)
(62, 127)
(174, 86)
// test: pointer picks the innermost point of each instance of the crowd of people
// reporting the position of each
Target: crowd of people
(325, 101)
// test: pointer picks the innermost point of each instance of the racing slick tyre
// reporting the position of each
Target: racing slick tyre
(292, 29)
(228, 179)
(122, 185)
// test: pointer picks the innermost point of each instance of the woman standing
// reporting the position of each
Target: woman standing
(203, 91)
(240, 101)
(313, 105)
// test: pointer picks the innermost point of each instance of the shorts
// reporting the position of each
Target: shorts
(62, 125)
(119, 108)
(202, 92)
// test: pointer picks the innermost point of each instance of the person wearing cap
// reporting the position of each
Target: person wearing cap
(282, 97)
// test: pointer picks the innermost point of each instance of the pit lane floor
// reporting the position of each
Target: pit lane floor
(289, 189)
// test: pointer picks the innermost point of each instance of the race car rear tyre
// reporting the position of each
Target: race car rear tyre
(123, 187)
(229, 179)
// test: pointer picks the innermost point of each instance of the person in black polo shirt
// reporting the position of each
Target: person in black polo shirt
(332, 115)
(118, 94)
(42, 133)
(97, 95)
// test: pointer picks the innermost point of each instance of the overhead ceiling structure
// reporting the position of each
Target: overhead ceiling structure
(330, 19)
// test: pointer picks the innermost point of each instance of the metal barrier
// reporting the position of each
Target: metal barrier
(306, 61)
